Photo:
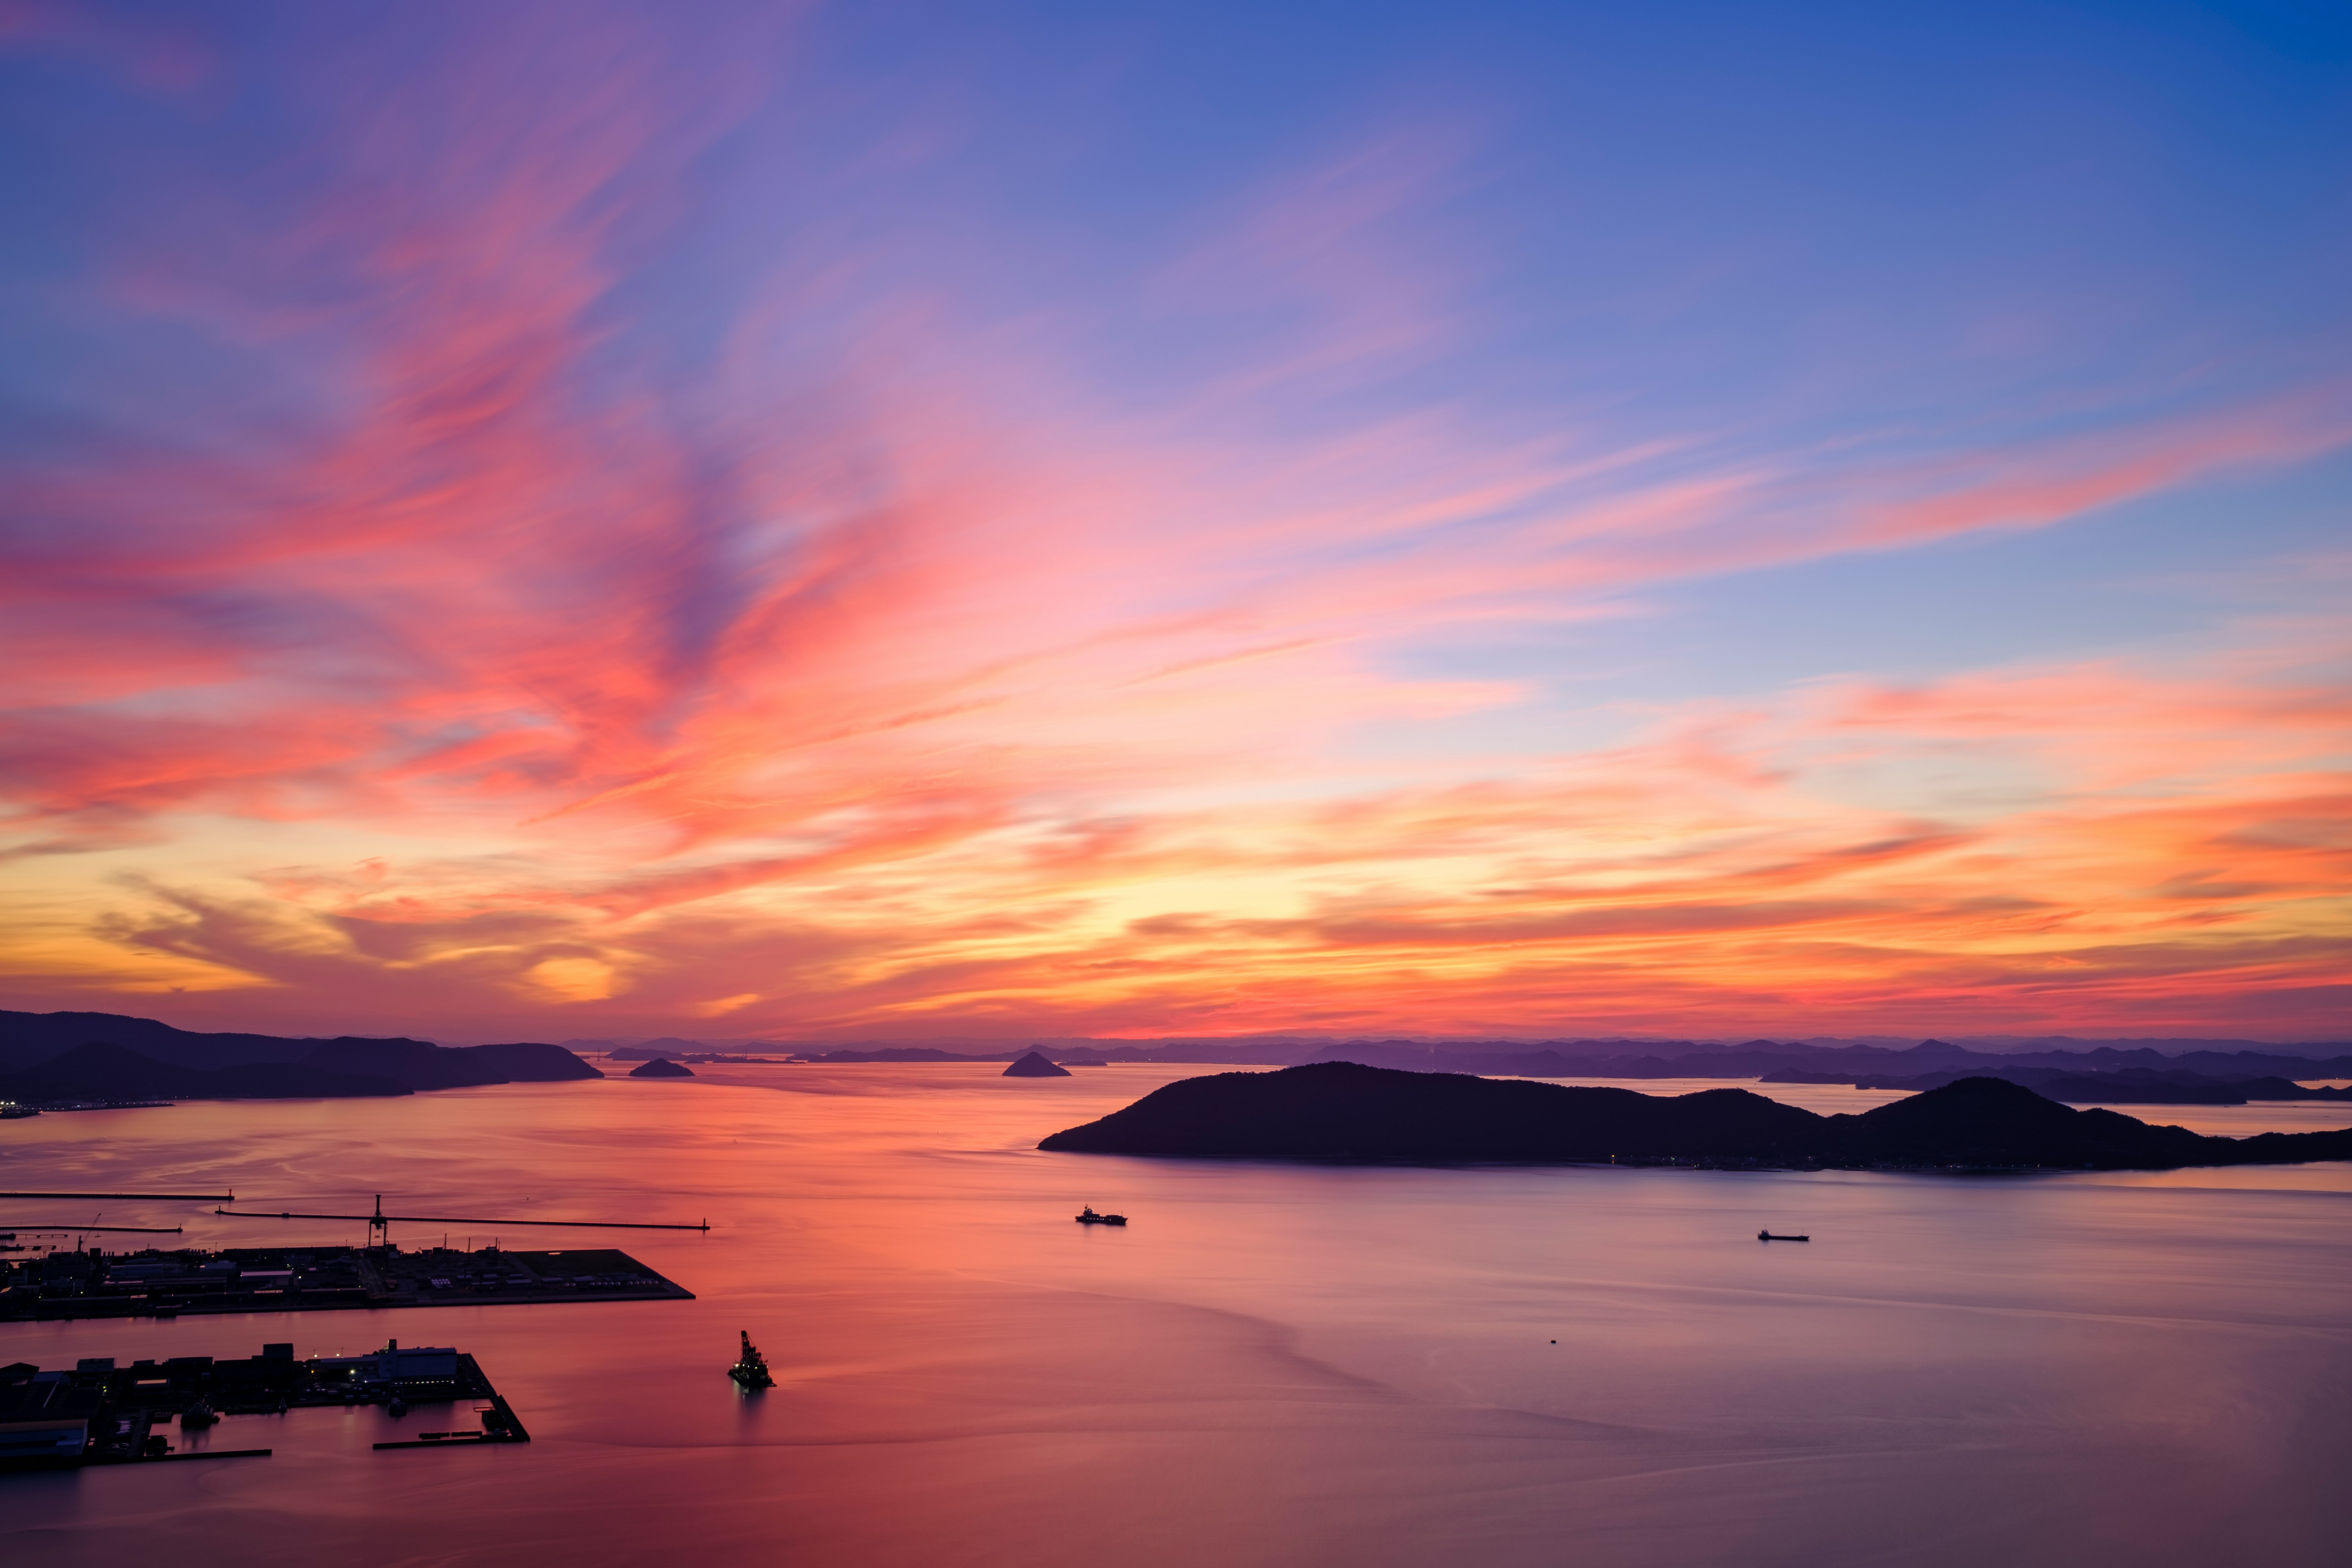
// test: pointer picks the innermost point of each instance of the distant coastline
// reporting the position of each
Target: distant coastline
(64, 1060)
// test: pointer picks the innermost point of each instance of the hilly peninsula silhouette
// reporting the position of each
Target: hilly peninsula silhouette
(101, 1073)
(1343, 1112)
(138, 1055)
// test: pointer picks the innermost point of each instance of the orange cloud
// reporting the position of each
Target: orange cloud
(1602, 892)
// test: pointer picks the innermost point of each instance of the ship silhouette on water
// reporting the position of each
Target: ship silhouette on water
(750, 1371)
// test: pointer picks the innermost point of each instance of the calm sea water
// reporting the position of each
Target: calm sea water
(1271, 1365)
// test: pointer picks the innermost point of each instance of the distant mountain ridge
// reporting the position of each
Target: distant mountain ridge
(1843, 1063)
(142, 1051)
(1612, 1057)
(2127, 1086)
(1343, 1111)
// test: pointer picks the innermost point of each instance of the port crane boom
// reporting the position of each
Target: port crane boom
(379, 1223)
(140, 1198)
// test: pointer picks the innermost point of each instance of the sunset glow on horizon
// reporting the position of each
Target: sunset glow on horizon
(543, 523)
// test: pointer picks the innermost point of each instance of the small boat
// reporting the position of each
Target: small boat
(1088, 1216)
(398, 1407)
(752, 1369)
(200, 1413)
(1767, 1235)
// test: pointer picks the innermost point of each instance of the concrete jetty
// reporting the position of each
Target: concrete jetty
(186, 1281)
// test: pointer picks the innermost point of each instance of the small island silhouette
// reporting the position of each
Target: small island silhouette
(1342, 1111)
(1035, 1065)
(659, 1068)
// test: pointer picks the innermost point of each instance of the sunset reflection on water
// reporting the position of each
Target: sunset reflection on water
(1271, 1364)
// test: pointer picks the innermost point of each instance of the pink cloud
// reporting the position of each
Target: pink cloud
(926, 688)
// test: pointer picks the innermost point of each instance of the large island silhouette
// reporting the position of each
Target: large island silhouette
(1342, 1111)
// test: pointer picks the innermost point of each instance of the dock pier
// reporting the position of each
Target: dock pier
(155, 1282)
(101, 1414)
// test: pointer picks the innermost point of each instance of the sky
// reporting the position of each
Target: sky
(901, 522)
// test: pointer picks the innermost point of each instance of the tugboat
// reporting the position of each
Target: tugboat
(1767, 1235)
(751, 1370)
(1086, 1215)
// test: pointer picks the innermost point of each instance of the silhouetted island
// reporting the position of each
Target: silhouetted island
(1339, 1110)
(661, 1069)
(1035, 1065)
